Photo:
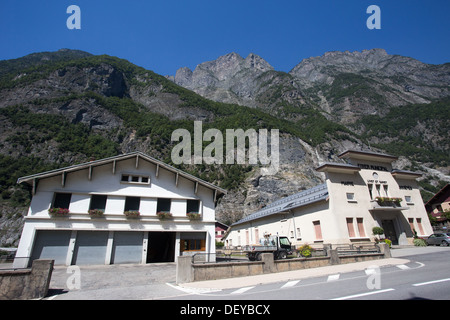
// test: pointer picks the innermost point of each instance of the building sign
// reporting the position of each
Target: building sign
(377, 182)
(405, 188)
(347, 183)
(372, 167)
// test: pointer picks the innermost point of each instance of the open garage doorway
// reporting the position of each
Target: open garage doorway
(161, 247)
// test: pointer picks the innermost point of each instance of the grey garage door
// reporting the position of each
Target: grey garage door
(51, 245)
(127, 247)
(90, 247)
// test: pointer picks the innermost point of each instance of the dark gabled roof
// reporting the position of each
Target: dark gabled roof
(137, 155)
(435, 199)
(316, 194)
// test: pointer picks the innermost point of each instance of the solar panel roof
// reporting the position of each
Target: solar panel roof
(300, 199)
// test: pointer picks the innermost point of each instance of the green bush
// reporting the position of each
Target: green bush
(420, 242)
(305, 251)
(219, 244)
(377, 231)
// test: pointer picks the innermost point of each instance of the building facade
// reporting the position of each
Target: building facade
(130, 208)
(364, 193)
(439, 207)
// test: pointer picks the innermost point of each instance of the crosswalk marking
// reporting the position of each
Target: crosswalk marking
(290, 284)
(402, 266)
(333, 277)
(242, 290)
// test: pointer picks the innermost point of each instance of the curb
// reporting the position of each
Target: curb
(231, 283)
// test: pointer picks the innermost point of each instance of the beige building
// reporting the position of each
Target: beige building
(363, 193)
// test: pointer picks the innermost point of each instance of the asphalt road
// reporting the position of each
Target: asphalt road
(425, 276)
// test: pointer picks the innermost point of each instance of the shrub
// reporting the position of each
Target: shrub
(420, 242)
(377, 231)
(305, 251)
(219, 244)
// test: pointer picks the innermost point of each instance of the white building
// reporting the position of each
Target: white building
(112, 213)
(365, 192)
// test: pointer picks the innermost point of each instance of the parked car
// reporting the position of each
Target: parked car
(442, 239)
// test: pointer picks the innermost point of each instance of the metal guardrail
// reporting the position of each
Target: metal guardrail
(220, 256)
(238, 255)
(353, 249)
(11, 263)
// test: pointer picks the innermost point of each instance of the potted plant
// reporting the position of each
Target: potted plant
(377, 231)
(132, 214)
(385, 201)
(194, 215)
(163, 215)
(61, 212)
(95, 212)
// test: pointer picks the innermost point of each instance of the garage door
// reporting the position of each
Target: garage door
(127, 247)
(90, 247)
(51, 245)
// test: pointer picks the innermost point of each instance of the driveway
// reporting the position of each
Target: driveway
(117, 282)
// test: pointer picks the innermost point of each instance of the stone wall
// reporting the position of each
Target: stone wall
(27, 283)
(189, 272)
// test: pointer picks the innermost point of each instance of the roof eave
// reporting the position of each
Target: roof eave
(325, 197)
(367, 155)
(405, 174)
(95, 163)
(333, 167)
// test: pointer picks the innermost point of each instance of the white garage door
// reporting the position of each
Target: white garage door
(51, 245)
(90, 247)
(127, 247)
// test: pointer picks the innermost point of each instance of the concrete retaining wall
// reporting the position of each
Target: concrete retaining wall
(28, 283)
(189, 272)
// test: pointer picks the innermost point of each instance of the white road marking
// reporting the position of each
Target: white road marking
(193, 290)
(363, 294)
(242, 290)
(403, 267)
(290, 284)
(333, 277)
(430, 282)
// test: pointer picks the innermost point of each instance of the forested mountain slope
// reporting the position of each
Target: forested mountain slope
(66, 107)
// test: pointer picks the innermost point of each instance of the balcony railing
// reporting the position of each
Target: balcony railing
(385, 203)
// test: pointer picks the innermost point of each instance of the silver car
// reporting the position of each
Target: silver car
(439, 239)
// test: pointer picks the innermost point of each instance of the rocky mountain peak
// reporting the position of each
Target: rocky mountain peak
(319, 69)
(229, 78)
(345, 85)
(254, 61)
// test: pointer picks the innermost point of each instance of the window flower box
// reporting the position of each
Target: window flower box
(388, 202)
(58, 212)
(132, 214)
(193, 215)
(95, 213)
(164, 215)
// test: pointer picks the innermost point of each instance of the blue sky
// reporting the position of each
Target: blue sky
(165, 35)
